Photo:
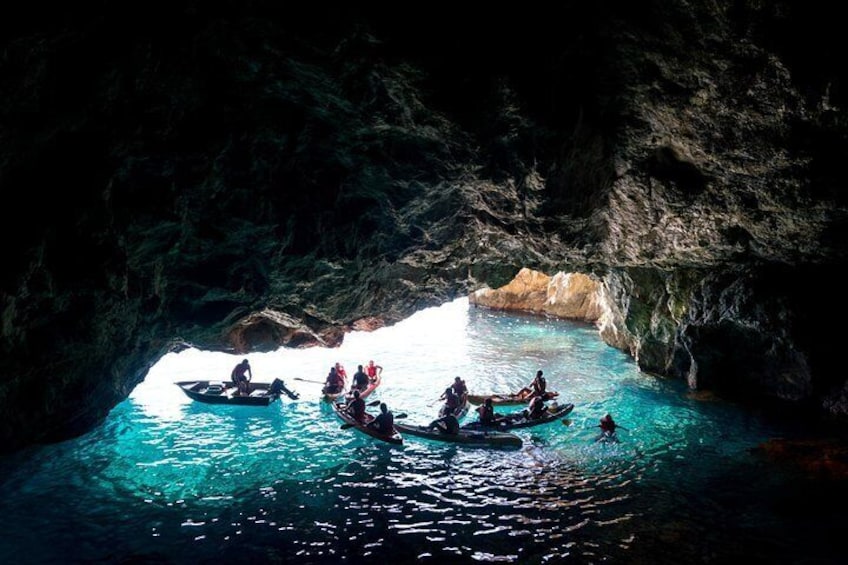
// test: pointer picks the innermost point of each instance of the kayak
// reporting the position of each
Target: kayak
(483, 438)
(518, 420)
(372, 386)
(373, 383)
(512, 399)
(394, 437)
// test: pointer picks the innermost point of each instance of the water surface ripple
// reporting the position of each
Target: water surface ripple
(165, 479)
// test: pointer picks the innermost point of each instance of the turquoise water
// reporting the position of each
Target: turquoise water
(169, 480)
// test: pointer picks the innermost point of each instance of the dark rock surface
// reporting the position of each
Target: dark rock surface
(238, 176)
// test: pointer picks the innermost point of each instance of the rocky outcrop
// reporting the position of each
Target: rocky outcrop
(224, 175)
(572, 296)
(745, 332)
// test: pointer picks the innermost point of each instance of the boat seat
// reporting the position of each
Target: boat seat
(215, 388)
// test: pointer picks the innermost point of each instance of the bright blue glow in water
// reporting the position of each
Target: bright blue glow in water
(167, 479)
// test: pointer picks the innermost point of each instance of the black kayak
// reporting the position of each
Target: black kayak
(519, 420)
(482, 438)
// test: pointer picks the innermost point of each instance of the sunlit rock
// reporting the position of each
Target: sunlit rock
(573, 296)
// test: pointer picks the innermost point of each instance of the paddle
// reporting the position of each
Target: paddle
(309, 381)
(400, 416)
(617, 427)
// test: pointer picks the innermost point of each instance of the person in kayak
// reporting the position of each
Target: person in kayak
(536, 388)
(372, 370)
(537, 408)
(459, 389)
(447, 424)
(356, 407)
(539, 385)
(486, 414)
(335, 382)
(384, 422)
(240, 377)
(451, 401)
(360, 380)
(341, 371)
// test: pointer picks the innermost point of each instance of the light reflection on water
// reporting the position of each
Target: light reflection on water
(169, 479)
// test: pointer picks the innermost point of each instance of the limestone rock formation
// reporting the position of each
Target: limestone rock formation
(572, 296)
(226, 175)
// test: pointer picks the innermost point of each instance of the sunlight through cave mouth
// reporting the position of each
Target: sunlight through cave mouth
(568, 296)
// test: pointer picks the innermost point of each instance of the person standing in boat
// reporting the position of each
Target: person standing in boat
(372, 370)
(384, 422)
(335, 382)
(356, 407)
(241, 376)
(360, 379)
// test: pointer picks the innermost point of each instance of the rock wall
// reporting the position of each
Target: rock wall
(224, 175)
(744, 333)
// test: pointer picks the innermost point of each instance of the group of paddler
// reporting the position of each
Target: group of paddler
(455, 399)
(365, 376)
(337, 378)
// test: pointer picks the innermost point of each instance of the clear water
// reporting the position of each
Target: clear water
(169, 480)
